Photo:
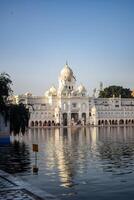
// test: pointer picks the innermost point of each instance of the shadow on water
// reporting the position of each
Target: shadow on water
(14, 157)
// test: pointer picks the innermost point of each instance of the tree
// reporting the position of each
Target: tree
(116, 91)
(5, 91)
(18, 115)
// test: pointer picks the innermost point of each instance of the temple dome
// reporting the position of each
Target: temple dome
(66, 73)
(53, 91)
(81, 88)
(28, 94)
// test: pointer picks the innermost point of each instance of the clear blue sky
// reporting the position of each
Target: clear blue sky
(96, 37)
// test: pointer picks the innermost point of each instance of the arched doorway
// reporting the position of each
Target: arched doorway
(113, 122)
(40, 123)
(74, 118)
(99, 122)
(36, 123)
(49, 123)
(106, 122)
(121, 121)
(84, 118)
(116, 122)
(53, 123)
(32, 123)
(129, 121)
(79, 122)
(64, 119)
(45, 123)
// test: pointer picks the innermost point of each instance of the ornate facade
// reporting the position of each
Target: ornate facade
(70, 104)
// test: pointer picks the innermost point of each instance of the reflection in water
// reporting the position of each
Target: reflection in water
(117, 149)
(75, 153)
(14, 158)
(83, 162)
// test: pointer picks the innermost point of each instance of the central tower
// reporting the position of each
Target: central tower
(67, 81)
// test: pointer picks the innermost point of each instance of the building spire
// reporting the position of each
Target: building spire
(66, 63)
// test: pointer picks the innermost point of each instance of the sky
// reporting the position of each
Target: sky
(95, 37)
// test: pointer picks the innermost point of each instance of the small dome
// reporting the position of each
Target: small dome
(28, 94)
(53, 91)
(66, 73)
(81, 89)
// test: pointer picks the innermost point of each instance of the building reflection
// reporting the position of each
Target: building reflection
(116, 149)
(74, 149)
(74, 152)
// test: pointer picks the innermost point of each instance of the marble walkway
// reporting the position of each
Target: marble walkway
(11, 188)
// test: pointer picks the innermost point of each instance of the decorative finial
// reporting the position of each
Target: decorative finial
(66, 63)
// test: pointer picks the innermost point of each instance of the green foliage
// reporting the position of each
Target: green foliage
(5, 85)
(17, 114)
(5, 91)
(116, 91)
(19, 117)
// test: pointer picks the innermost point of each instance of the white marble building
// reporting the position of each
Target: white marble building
(70, 104)
(113, 111)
